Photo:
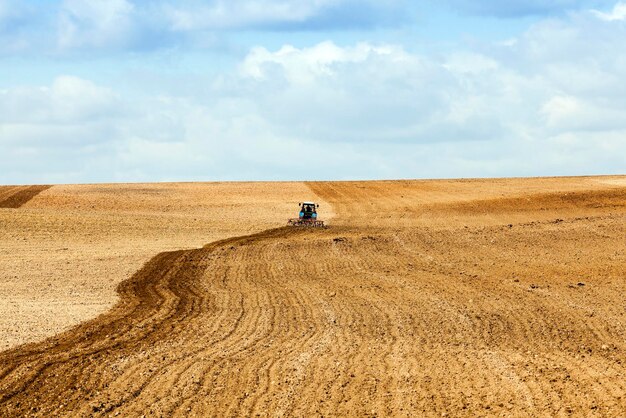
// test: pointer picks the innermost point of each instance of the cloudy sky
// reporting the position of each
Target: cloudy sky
(125, 90)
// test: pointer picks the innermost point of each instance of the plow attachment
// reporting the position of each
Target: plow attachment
(314, 223)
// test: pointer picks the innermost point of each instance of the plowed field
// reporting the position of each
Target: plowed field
(465, 298)
(16, 196)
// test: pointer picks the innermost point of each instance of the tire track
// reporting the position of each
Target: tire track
(16, 196)
(365, 318)
(157, 299)
(525, 323)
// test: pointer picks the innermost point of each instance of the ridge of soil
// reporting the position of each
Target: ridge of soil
(413, 302)
(14, 197)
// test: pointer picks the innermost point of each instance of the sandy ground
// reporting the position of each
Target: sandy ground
(63, 253)
(431, 298)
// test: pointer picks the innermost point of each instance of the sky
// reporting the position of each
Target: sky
(216, 90)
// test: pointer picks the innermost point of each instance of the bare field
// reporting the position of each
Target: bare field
(63, 253)
(497, 297)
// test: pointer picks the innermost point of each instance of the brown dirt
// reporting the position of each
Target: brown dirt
(64, 252)
(481, 297)
(16, 196)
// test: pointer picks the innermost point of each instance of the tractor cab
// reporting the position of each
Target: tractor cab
(308, 210)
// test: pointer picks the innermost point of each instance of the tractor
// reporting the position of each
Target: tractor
(307, 216)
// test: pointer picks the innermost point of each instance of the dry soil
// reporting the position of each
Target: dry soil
(460, 297)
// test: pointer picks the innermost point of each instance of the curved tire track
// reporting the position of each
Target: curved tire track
(358, 319)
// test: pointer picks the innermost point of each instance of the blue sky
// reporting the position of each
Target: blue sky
(123, 90)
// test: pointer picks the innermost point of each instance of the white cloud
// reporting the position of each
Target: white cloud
(618, 13)
(52, 133)
(191, 15)
(307, 64)
(94, 23)
(67, 100)
(101, 26)
(562, 109)
(469, 62)
(549, 103)
(218, 14)
(567, 114)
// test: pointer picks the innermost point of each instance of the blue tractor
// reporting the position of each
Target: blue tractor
(307, 216)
